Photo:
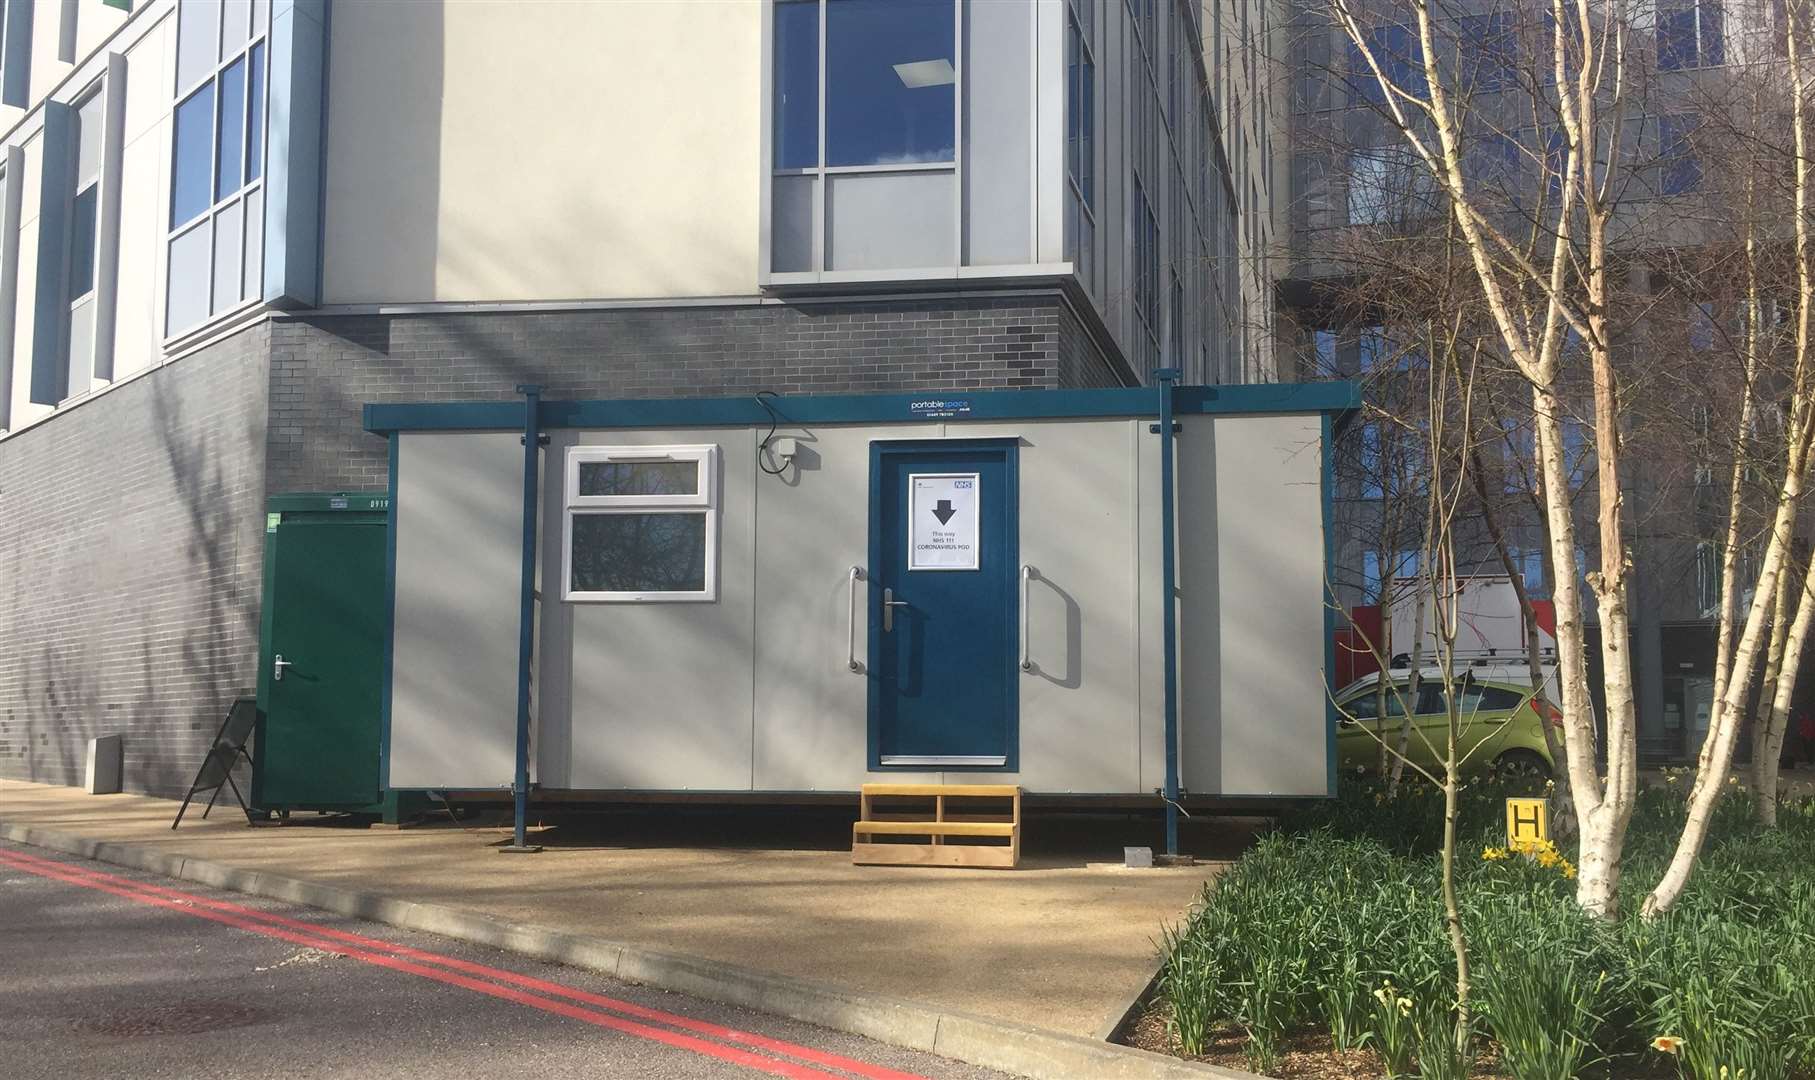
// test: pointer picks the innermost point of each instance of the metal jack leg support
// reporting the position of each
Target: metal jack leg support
(1168, 377)
(526, 614)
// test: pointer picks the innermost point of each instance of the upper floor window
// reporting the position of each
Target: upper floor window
(1489, 48)
(1400, 57)
(1146, 276)
(1681, 170)
(1689, 34)
(84, 215)
(1080, 137)
(881, 92)
(217, 159)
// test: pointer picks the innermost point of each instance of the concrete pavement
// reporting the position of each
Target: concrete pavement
(746, 905)
(105, 980)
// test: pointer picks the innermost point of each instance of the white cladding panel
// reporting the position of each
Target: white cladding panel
(653, 695)
(1254, 719)
(24, 411)
(812, 727)
(144, 202)
(753, 690)
(548, 149)
(459, 521)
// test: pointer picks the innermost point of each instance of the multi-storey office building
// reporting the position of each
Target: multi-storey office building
(1356, 191)
(228, 224)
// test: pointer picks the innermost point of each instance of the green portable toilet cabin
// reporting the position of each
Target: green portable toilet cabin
(322, 655)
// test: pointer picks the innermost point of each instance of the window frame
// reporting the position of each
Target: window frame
(820, 175)
(252, 152)
(703, 502)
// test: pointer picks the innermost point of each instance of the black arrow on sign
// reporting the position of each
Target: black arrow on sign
(944, 511)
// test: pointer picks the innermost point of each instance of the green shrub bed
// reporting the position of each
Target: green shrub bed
(1330, 931)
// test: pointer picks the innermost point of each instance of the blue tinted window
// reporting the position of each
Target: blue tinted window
(1489, 52)
(228, 173)
(1081, 117)
(1682, 172)
(191, 172)
(82, 243)
(796, 85)
(1713, 39)
(1401, 59)
(255, 114)
(1323, 350)
(890, 76)
(1676, 38)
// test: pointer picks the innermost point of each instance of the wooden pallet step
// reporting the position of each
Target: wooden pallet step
(1002, 857)
(933, 828)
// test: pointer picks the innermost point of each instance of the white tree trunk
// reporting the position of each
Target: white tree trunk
(1767, 746)
(1716, 759)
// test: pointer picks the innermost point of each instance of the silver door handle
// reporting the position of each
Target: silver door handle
(850, 626)
(1027, 662)
(889, 604)
(278, 664)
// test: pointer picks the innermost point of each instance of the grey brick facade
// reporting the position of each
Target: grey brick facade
(324, 368)
(131, 533)
(131, 526)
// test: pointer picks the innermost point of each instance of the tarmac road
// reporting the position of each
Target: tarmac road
(119, 974)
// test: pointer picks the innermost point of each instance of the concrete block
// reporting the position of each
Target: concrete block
(104, 765)
(1137, 858)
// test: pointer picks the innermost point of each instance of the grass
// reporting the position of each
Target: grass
(1332, 926)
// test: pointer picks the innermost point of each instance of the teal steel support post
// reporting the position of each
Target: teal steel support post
(526, 609)
(1168, 378)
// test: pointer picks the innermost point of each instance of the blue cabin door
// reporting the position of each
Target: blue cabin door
(944, 551)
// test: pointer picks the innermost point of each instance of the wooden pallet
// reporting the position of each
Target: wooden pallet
(934, 851)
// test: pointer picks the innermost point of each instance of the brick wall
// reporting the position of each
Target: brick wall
(131, 534)
(324, 368)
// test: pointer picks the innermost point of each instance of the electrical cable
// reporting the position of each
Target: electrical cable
(762, 448)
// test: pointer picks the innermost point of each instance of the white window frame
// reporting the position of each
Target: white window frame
(703, 502)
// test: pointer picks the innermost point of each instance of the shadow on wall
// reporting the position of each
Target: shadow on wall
(215, 471)
(144, 608)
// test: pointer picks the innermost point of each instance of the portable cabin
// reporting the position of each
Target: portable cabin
(804, 594)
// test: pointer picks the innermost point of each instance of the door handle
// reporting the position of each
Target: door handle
(278, 664)
(1027, 661)
(889, 604)
(850, 626)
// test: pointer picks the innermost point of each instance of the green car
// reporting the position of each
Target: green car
(1501, 721)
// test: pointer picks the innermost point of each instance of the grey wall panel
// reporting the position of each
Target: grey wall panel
(1270, 573)
(1080, 718)
(812, 729)
(998, 134)
(1200, 608)
(891, 221)
(752, 690)
(791, 223)
(1150, 660)
(459, 542)
(660, 693)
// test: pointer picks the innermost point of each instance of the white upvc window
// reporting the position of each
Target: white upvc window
(640, 523)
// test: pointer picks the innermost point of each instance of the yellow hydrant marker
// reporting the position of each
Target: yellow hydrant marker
(1527, 824)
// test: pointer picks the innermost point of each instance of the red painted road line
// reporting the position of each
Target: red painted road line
(805, 1053)
(685, 1042)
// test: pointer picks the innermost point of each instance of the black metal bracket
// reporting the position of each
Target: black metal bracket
(1154, 428)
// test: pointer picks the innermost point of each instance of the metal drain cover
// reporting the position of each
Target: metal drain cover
(180, 1018)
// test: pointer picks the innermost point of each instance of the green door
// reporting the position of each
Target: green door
(323, 662)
